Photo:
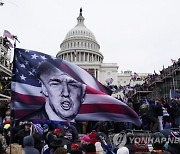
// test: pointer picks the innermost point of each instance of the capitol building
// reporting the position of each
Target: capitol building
(81, 48)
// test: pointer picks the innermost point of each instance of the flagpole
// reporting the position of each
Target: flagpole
(12, 107)
(14, 44)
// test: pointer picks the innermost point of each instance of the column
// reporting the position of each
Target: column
(92, 57)
(98, 75)
(84, 56)
(88, 57)
(95, 73)
(71, 56)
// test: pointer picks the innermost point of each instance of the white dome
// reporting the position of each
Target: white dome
(80, 44)
(80, 30)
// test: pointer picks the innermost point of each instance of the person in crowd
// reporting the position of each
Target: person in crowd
(174, 147)
(167, 119)
(63, 94)
(85, 139)
(23, 132)
(57, 132)
(64, 139)
(70, 132)
(99, 149)
(15, 149)
(3, 144)
(55, 145)
(15, 128)
(153, 120)
(7, 133)
(129, 143)
(158, 146)
(28, 143)
(75, 149)
(89, 148)
(159, 113)
(144, 115)
(48, 136)
(60, 150)
(176, 111)
(93, 137)
(38, 142)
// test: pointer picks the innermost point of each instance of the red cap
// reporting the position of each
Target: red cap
(75, 146)
(56, 131)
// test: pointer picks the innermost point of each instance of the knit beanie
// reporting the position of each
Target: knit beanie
(123, 150)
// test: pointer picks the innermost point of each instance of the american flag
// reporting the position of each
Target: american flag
(8, 34)
(173, 61)
(27, 97)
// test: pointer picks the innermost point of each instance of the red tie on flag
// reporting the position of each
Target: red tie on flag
(28, 99)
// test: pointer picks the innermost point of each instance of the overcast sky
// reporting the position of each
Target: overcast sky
(139, 35)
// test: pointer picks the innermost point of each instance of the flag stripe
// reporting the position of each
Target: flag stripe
(28, 99)
(19, 112)
(26, 89)
(107, 117)
(17, 105)
(106, 108)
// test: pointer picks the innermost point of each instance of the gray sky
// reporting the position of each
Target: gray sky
(139, 35)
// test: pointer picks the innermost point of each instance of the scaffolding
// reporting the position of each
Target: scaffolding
(5, 71)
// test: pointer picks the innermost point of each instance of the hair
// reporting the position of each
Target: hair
(60, 150)
(15, 149)
(45, 68)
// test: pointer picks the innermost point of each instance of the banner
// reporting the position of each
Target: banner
(47, 88)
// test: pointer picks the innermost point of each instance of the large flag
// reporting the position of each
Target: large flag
(27, 97)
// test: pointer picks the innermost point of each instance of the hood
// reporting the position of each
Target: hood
(28, 141)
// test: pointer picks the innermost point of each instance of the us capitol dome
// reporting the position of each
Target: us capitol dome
(81, 48)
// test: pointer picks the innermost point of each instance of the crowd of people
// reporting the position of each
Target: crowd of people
(159, 118)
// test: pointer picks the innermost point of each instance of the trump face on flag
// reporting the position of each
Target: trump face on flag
(46, 88)
(63, 94)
